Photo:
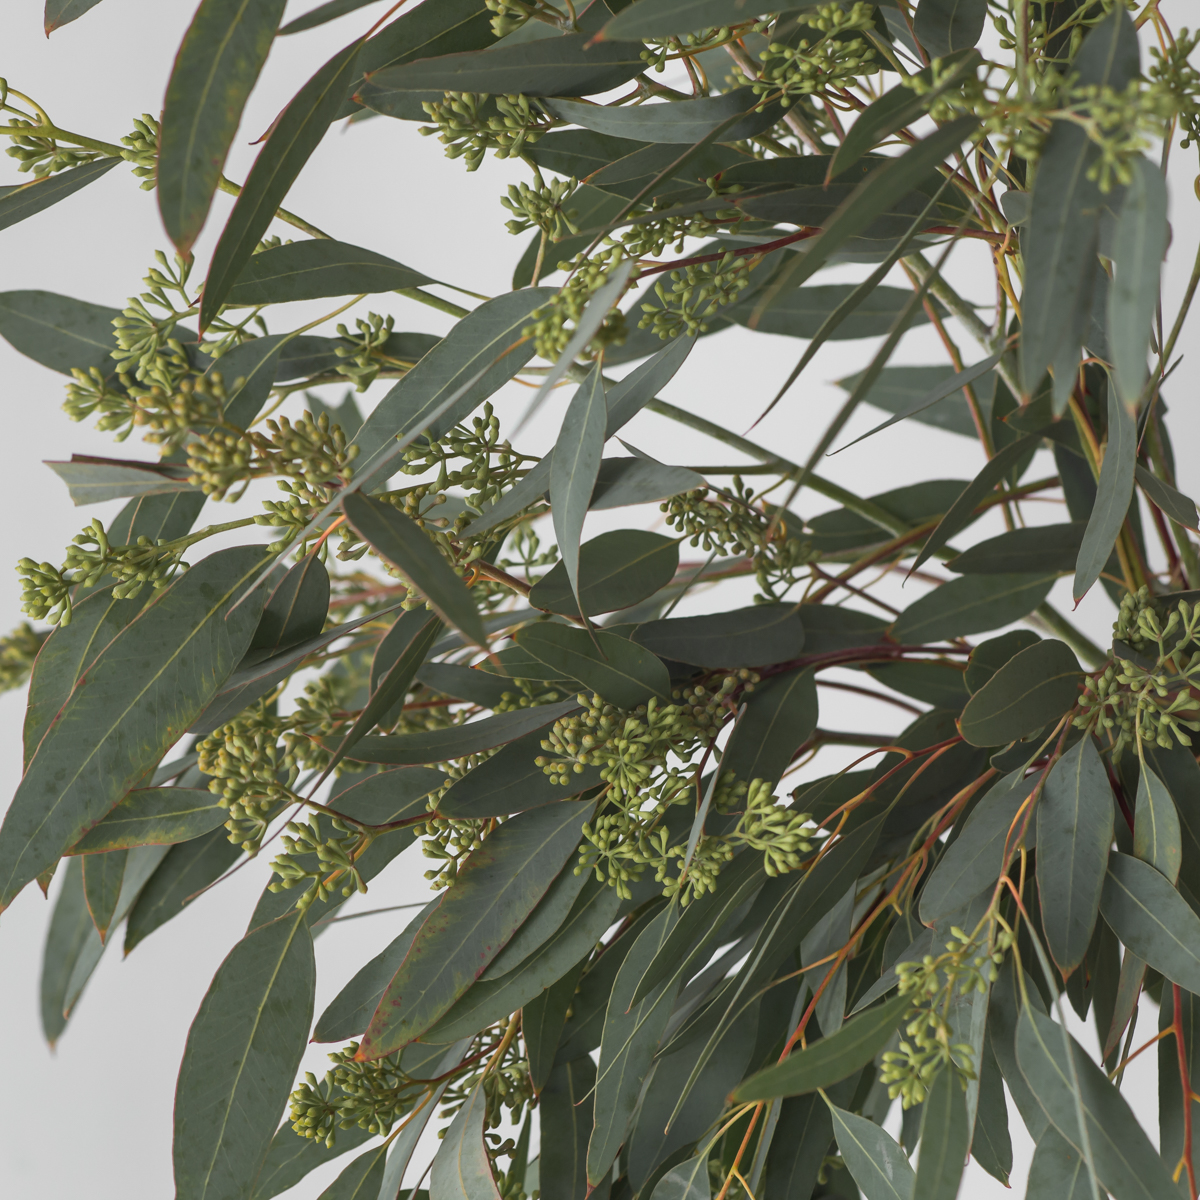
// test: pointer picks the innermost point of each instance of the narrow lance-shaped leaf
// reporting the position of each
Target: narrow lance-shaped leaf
(135, 701)
(879, 1166)
(1157, 837)
(1074, 832)
(34, 197)
(575, 467)
(218, 63)
(63, 12)
(1113, 493)
(292, 140)
(1139, 243)
(461, 1169)
(407, 546)
(154, 817)
(945, 1138)
(241, 1057)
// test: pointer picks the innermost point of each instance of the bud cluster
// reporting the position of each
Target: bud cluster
(469, 124)
(18, 649)
(813, 67)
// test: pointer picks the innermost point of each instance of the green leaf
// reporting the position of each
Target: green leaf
(988, 657)
(63, 12)
(631, 1036)
(1074, 832)
(800, 312)
(541, 924)
(780, 716)
(1174, 503)
(916, 504)
(1156, 835)
(575, 468)
(386, 797)
(464, 683)
(409, 548)
(135, 701)
(872, 1156)
(68, 936)
(486, 341)
(871, 198)
(250, 370)
(943, 26)
(294, 136)
(991, 1146)
(495, 890)
(318, 268)
(1037, 548)
(1177, 768)
(553, 66)
(664, 18)
(688, 1181)
(329, 11)
(1035, 687)
(619, 670)
(962, 512)
(360, 1180)
(945, 1135)
(295, 611)
(59, 332)
(758, 636)
(1113, 494)
(938, 683)
(542, 1022)
(218, 64)
(29, 199)
(681, 122)
(825, 1061)
(1057, 1172)
(242, 1054)
(802, 1138)
(93, 480)
(566, 1107)
(488, 1001)
(510, 782)
(185, 872)
(903, 391)
(624, 481)
(1139, 244)
(350, 1011)
(457, 741)
(1152, 919)
(1126, 1164)
(159, 816)
(974, 860)
(616, 570)
(461, 1168)
(971, 604)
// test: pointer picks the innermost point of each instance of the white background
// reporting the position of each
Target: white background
(93, 1118)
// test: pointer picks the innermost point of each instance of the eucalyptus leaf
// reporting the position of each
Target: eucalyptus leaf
(971, 604)
(616, 570)
(19, 203)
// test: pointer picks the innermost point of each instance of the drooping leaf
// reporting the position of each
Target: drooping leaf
(495, 890)
(457, 741)
(941, 684)
(241, 1057)
(945, 1137)
(1057, 1171)
(553, 66)
(1152, 919)
(461, 1168)
(916, 504)
(1074, 832)
(464, 683)
(134, 702)
(828, 1059)
(631, 1036)
(405, 545)
(39, 194)
(879, 1166)
(359, 1180)
(617, 669)
(781, 714)
(971, 604)
(318, 268)
(542, 1022)
(663, 18)
(1157, 837)
(1113, 493)
(943, 26)
(217, 65)
(295, 610)
(688, 1181)
(386, 797)
(1174, 503)
(70, 931)
(991, 1145)
(1036, 686)
(1126, 1164)
(488, 1001)
(294, 136)
(1037, 548)
(154, 817)
(758, 636)
(59, 332)
(624, 481)
(683, 122)
(566, 1107)
(93, 480)
(800, 312)
(904, 391)
(63, 12)
(974, 860)
(616, 570)
(329, 11)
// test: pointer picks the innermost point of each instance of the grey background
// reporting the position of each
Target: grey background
(94, 1116)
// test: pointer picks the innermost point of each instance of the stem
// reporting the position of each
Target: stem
(1185, 1086)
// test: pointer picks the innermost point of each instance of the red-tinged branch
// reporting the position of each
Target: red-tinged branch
(807, 232)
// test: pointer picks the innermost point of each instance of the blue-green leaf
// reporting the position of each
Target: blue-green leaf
(27, 199)
(1113, 494)
(872, 1156)
(462, 1169)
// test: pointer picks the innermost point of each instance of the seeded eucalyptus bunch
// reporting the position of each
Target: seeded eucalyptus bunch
(683, 941)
